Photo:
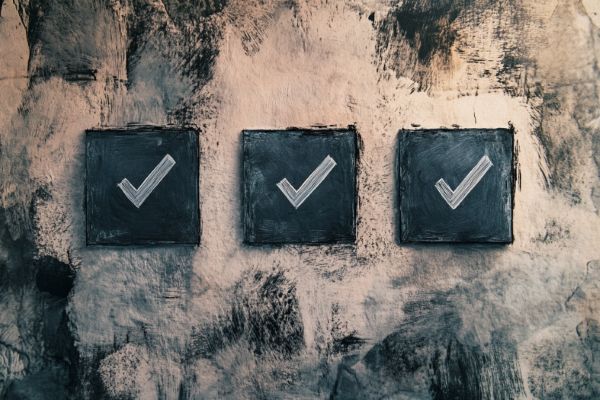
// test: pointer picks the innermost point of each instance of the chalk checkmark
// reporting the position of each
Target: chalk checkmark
(138, 196)
(455, 197)
(297, 197)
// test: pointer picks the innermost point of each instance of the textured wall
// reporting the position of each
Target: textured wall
(373, 320)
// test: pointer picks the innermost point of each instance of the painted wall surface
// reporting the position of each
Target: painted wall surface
(376, 319)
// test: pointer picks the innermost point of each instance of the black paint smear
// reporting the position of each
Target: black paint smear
(553, 233)
(52, 358)
(54, 276)
(60, 351)
(414, 33)
(430, 325)
(511, 71)
(426, 25)
(75, 51)
(588, 332)
(429, 344)
(347, 385)
(564, 118)
(184, 9)
(266, 314)
(560, 151)
(63, 38)
(58, 340)
(347, 343)
(465, 372)
(344, 340)
(566, 368)
(48, 383)
(87, 382)
(191, 50)
(17, 269)
(512, 23)
(274, 320)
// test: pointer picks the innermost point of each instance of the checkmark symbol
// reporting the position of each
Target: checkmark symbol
(455, 197)
(138, 196)
(297, 197)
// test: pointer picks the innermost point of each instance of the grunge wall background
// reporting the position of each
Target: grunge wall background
(374, 320)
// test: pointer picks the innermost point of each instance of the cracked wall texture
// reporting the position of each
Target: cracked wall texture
(372, 320)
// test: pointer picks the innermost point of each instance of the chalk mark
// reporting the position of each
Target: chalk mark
(455, 197)
(297, 197)
(138, 196)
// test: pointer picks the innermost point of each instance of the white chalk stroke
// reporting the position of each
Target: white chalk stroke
(455, 197)
(138, 196)
(297, 197)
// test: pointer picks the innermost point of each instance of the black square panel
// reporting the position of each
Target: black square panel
(456, 185)
(299, 186)
(142, 186)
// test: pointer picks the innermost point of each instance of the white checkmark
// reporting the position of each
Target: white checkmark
(139, 195)
(297, 197)
(455, 197)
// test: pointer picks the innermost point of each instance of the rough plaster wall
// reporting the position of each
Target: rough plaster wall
(373, 320)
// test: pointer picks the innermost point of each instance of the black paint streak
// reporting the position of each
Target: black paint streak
(347, 385)
(566, 368)
(511, 72)
(429, 350)
(409, 349)
(415, 32)
(566, 126)
(58, 339)
(48, 383)
(191, 50)
(588, 332)
(87, 383)
(71, 50)
(266, 314)
(80, 76)
(471, 373)
(47, 345)
(347, 343)
(426, 25)
(344, 339)
(183, 10)
(17, 270)
(560, 148)
(417, 37)
(269, 313)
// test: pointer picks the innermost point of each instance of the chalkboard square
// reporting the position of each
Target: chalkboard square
(142, 186)
(456, 185)
(299, 186)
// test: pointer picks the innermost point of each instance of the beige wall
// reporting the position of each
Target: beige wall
(533, 64)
